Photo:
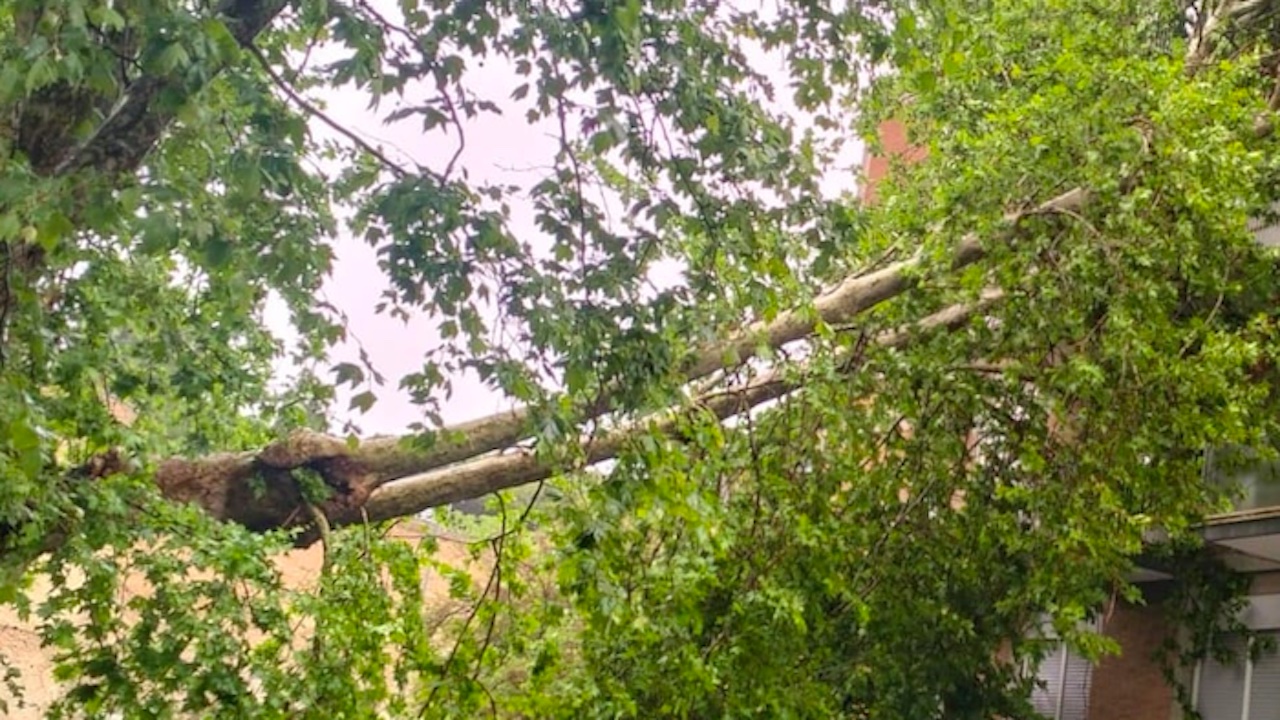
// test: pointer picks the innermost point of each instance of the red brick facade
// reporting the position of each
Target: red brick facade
(893, 140)
(1131, 686)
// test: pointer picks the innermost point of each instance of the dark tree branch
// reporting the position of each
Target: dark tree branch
(137, 119)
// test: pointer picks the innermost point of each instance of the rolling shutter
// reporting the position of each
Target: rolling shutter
(1049, 674)
(1220, 694)
(1066, 678)
(1075, 688)
(1264, 686)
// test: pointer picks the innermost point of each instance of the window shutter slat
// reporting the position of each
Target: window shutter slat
(1075, 688)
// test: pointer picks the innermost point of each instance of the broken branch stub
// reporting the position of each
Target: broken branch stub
(261, 491)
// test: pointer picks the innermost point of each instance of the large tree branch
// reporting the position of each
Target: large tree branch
(837, 307)
(387, 478)
(482, 476)
(138, 118)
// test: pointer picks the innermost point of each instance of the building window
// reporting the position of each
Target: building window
(1063, 692)
(1246, 689)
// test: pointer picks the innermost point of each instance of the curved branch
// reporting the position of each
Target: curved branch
(283, 86)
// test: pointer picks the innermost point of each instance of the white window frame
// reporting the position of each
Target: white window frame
(1261, 614)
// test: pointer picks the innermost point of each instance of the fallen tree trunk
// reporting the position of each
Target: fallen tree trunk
(388, 478)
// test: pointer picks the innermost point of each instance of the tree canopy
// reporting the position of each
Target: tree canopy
(854, 449)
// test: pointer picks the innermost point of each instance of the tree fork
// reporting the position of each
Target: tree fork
(133, 124)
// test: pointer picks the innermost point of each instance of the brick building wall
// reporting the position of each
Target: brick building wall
(893, 141)
(1131, 685)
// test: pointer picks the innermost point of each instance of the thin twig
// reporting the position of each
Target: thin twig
(494, 584)
(326, 538)
(395, 168)
(499, 549)
(457, 124)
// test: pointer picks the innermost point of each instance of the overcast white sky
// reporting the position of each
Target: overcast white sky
(499, 149)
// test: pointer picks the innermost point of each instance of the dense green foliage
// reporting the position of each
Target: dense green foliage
(861, 548)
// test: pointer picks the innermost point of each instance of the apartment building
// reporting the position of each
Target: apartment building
(1131, 685)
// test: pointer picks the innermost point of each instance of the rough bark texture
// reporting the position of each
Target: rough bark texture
(261, 490)
(137, 119)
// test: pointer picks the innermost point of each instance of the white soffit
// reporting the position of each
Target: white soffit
(1268, 236)
(1261, 552)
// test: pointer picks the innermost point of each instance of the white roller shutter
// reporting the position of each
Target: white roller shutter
(1264, 686)
(1220, 691)
(1065, 677)
(1049, 676)
(1075, 688)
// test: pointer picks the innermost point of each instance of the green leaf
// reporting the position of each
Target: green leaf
(43, 71)
(363, 401)
(172, 57)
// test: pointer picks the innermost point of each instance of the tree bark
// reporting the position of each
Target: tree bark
(136, 120)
